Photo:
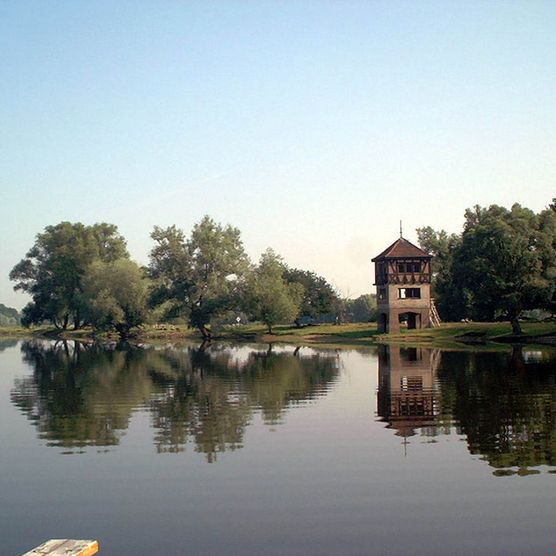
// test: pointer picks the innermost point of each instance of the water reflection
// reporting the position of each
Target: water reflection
(407, 390)
(83, 395)
(6, 343)
(503, 402)
(505, 405)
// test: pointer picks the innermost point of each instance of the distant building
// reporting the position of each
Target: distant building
(403, 282)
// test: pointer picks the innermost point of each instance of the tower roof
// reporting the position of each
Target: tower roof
(402, 249)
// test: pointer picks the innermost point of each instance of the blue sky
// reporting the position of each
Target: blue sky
(314, 127)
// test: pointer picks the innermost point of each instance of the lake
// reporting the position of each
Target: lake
(257, 449)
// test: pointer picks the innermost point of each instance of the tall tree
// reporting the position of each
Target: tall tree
(547, 250)
(116, 295)
(500, 264)
(272, 299)
(52, 270)
(318, 295)
(200, 277)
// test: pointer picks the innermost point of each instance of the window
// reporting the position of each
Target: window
(409, 267)
(409, 293)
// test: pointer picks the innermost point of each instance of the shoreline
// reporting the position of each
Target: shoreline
(448, 335)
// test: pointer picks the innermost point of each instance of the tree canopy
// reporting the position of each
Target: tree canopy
(318, 295)
(52, 270)
(272, 299)
(200, 277)
(9, 316)
(504, 262)
(116, 295)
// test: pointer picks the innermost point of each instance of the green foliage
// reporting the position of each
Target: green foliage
(450, 297)
(504, 262)
(362, 309)
(547, 250)
(499, 262)
(272, 299)
(52, 270)
(116, 295)
(9, 316)
(201, 277)
(318, 295)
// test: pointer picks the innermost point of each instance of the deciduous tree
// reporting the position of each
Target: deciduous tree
(116, 295)
(318, 295)
(52, 270)
(201, 277)
(272, 299)
(500, 262)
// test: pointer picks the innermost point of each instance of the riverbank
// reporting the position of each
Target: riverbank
(359, 334)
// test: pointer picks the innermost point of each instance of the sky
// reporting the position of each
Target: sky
(313, 127)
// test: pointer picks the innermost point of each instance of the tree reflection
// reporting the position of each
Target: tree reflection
(81, 395)
(210, 396)
(6, 343)
(505, 404)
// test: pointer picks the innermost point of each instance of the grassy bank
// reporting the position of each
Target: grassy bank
(448, 334)
(366, 333)
(455, 333)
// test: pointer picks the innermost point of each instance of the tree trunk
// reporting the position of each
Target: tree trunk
(205, 332)
(269, 326)
(516, 327)
(123, 331)
(297, 323)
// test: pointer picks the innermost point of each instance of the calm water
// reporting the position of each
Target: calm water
(251, 450)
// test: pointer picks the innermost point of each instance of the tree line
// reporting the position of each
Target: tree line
(80, 275)
(502, 264)
(8, 316)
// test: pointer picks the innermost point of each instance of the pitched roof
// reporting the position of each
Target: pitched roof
(402, 249)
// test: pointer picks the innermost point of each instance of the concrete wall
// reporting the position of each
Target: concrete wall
(392, 306)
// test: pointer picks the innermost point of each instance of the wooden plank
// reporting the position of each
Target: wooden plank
(65, 547)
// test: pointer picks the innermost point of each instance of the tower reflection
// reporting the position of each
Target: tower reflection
(407, 391)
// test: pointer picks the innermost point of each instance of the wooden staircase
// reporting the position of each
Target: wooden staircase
(433, 315)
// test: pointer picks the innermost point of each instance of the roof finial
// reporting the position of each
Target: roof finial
(401, 232)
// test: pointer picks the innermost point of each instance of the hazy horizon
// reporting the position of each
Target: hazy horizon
(313, 127)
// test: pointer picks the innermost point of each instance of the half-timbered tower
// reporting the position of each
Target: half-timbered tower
(402, 279)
